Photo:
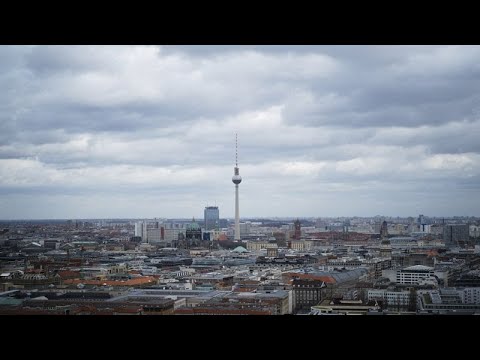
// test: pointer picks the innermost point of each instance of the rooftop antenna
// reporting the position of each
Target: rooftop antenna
(236, 151)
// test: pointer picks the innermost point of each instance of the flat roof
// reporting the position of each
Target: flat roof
(418, 268)
(157, 293)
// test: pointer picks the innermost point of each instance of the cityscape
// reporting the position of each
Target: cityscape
(355, 188)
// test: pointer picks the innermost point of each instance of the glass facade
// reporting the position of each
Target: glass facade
(211, 216)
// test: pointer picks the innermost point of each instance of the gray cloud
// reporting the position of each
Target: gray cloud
(323, 130)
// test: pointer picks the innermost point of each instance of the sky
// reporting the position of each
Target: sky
(149, 131)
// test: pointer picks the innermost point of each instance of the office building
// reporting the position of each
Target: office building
(456, 235)
(212, 217)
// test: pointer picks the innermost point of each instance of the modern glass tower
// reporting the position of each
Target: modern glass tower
(212, 217)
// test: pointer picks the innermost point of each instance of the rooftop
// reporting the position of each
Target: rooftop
(418, 268)
(240, 249)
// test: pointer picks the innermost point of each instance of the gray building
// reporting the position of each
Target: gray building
(212, 217)
(141, 230)
(456, 235)
(306, 293)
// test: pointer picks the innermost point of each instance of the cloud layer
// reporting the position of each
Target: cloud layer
(148, 131)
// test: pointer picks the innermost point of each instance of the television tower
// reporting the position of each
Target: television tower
(236, 179)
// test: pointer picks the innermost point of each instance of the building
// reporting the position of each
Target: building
(306, 293)
(445, 301)
(245, 228)
(257, 245)
(421, 219)
(343, 307)
(261, 302)
(470, 295)
(272, 250)
(211, 217)
(141, 230)
(385, 248)
(297, 245)
(391, 299)
(419, 258)
(193, 235)
(474, 231)
(384, 230)
(155, 235)
(51, 244)
(172, 235)
(297, 230)
(415, 275)
(456, 235)
(378, 265)
(470, 279)
(436, 229)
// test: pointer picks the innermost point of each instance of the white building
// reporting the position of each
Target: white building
(257, 245)
(417, 274)
(448, 301)
(470, 295)
(394, 298)
(298, 245)
(474, 231)
(141, 230)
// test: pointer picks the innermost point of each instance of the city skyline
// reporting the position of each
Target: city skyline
(146, 131)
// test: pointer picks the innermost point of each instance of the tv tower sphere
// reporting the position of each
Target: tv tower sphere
(236, 179)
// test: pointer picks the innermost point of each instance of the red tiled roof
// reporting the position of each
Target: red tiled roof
(325, 279)
(68, 274)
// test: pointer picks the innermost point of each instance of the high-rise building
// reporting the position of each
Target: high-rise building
(154, 235)
(212, 217)
(298, 230)
(236, 179)
(145, 234)
(245, 228)
(456, 235)
(138, 228)
(384, 230)
(141, 230)
(421, 219)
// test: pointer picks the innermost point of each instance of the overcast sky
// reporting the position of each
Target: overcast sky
(149, 131)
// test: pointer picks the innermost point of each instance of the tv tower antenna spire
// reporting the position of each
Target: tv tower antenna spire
(236, 179)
